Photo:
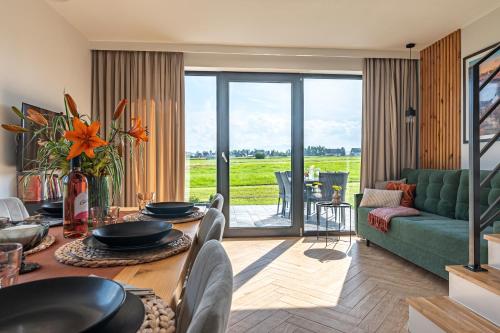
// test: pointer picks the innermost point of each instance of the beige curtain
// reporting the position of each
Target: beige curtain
(388, 139)
(153, 83)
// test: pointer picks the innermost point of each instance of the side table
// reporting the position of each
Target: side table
(338, 209)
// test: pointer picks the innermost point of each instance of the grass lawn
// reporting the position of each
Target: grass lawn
(253, 181)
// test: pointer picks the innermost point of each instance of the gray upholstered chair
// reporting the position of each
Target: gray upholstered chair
(206, 303)
(13, 208)
(211, 227)
(217, 202)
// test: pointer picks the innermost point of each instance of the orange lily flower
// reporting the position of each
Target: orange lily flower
(138, 132)
(37, 118)
(70, 102)
(119, 108)
(14, 128)
(84, 139)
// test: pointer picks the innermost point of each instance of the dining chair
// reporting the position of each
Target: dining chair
(13, 208)
(206, 304)
(281, 191)
(211, 227)
(217, 202)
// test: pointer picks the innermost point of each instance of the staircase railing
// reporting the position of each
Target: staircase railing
(477, 221)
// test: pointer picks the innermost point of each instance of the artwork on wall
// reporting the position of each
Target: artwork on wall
(488, 95)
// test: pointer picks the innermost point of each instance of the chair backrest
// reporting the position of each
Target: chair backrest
(328, 179)
(211, 227)
(217, 202)
(281, 187)
(206, 303)
(13, 208)
(287, 184)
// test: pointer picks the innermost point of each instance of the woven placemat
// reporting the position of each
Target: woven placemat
(75, 253)
(138, 216)
(46, 242)
(159, 316)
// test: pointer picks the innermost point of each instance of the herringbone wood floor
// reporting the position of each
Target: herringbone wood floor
(301, 285)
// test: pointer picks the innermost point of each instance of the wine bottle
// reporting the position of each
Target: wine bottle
(76, 198)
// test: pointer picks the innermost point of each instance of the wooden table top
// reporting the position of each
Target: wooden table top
(163, 276)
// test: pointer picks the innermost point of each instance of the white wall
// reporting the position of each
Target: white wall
(40, 55)
(476, 36)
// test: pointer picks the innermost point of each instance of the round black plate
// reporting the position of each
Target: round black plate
(172, 236)
(169, 207)
(45, 213)
(53, 207)
(132, 233)
(128, 319)
(65, 304)
(167, 216)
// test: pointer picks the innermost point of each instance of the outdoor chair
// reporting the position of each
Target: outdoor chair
(327, 180)
(287, 184)
(281, 193)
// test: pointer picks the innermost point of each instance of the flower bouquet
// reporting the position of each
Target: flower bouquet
(72, 134)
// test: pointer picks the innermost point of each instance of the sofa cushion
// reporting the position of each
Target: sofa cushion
(489, 192)
(436, 190)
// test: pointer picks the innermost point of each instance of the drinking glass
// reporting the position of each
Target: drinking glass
(113, 214)
(10, 262)
(144, 198)
(97, 217)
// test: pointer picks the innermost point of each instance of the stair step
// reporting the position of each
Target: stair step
(489, 280)
(492, 237)
(493, 250)
(446, 315)
(479, 291)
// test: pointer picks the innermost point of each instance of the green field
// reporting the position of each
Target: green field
(253, 181)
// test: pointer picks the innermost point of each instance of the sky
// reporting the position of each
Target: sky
(260, 114)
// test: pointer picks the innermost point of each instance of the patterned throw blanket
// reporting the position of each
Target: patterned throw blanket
(380, 218)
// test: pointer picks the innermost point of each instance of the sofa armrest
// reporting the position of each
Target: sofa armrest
(357, 201)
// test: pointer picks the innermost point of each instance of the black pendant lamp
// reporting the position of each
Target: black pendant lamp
(411, 113)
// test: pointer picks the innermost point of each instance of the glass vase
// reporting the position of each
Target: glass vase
(99, 193)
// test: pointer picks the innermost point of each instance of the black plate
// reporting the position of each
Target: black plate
(172, 236)
(132, 233)
(53, 207)
(128, 319)
(47, 214)
(65, 304)
(167, 216)
(169, 207)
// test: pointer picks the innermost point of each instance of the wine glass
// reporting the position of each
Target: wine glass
(10, 262)
(144, 198)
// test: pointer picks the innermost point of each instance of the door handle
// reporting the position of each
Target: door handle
(224, 157)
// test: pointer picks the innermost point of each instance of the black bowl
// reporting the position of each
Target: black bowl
(65, 304)
(132, 233)
(169, 207)
(53, 207)
(128, 319)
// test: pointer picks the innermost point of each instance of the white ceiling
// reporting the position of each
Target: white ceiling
(339, 24)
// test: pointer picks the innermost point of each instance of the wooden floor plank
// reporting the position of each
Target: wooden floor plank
(300, 285)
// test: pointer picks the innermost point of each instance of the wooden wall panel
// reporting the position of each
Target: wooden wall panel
(439, 116)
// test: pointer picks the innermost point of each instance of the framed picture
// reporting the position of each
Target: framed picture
(487, 96)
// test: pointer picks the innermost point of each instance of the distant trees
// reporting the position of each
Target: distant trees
(261, 153)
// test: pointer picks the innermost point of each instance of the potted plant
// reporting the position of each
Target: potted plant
(336, 198)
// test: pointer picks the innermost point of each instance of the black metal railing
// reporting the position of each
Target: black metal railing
(479, 221)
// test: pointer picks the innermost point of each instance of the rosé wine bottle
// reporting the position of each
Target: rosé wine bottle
(76, 198)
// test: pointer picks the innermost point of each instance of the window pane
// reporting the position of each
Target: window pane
(201, 137)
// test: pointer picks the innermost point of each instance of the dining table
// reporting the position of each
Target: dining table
(165, 276)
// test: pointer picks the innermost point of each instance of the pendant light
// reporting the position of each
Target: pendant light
(411, 113)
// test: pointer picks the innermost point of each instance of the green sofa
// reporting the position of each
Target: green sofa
(439, 236)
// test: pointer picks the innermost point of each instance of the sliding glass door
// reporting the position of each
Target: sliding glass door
(274, 145)
(258, 123)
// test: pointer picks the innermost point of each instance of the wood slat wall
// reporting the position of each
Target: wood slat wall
(439, 118)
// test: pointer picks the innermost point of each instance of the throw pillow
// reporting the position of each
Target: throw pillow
(380, 198)
(408, 197)
(382, 184)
